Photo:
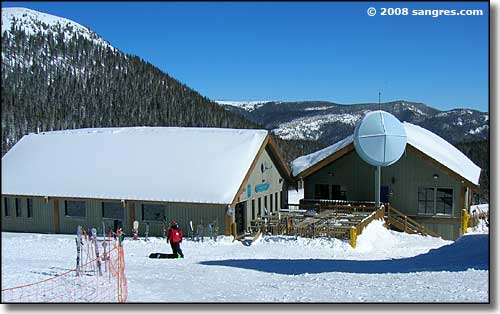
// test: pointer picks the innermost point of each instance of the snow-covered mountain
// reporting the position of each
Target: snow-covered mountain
(34, 22)
(57, 74)
(329, 122)
(245, 105)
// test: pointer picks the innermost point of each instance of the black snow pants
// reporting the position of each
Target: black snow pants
(176, 248)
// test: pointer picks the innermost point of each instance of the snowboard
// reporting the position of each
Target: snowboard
(135, 230)
(162, 255)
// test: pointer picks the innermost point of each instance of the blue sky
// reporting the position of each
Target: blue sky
(296, 51)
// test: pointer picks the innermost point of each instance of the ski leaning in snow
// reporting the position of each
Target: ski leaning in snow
(96, 248)
(164, 255)
(78, 248)
(146, 234)
(164, 227)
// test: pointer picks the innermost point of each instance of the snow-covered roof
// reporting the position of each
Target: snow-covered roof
(171, 164)
(424, 140)
(305, 162)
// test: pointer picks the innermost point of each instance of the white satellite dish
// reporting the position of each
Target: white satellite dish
(380, 140)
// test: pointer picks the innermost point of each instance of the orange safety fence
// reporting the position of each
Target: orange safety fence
(100, 280)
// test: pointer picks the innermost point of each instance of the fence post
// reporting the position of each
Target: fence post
(465, 220)
(353, 237)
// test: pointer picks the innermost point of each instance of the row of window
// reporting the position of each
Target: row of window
(16, 208)
(431, 201)
(266, 210)
(78, 209)
(110, 210)
(150, 212)
(329, 192)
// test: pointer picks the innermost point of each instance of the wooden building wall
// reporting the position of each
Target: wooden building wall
(183, 213)
(403, 179)
(41, 222)
(277, 187)
(44, 218)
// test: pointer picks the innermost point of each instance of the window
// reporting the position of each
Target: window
(321, 192)
(74, 208)
(29, 203)
(7, 207)
(19, 213)
(266, 209)
(253, 209)
(444, 201)
(426, 200)
(276, 201)
(112, 210)
(153, 212)
(260, 207)
(433, 201)
(337, 194)
(271, 203)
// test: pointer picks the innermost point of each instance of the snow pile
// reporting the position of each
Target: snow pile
(376, 238)
(294, 196)
(172, 164)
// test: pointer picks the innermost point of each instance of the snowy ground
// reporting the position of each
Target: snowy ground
(294, 196)
(386, 266)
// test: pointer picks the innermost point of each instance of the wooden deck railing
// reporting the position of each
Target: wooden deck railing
(335, 222)
(331, 219)
(377, 215)
(402, 222)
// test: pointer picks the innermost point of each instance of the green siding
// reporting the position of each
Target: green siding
(42, 221)
(270, 176)
(448, 230)
(43, 217)
(183, 213)
(93, 218)
(356, 177)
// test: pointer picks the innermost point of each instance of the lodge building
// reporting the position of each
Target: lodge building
(54, 181)
(431, 183)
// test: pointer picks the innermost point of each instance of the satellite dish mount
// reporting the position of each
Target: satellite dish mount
(380, 140)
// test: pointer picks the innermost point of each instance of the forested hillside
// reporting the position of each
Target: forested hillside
(478, 152)
(52, 83)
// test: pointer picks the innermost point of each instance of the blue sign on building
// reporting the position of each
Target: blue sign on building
(262, 187)
(249, 191)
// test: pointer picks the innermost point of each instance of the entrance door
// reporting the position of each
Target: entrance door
(240, 217)
(384, 194)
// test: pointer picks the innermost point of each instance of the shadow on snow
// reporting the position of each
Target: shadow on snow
(468, 252)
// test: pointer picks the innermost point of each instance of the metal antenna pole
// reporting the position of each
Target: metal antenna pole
(377, 186)
(379, 106)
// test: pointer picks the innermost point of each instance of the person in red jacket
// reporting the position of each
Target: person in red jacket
(175, 238)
